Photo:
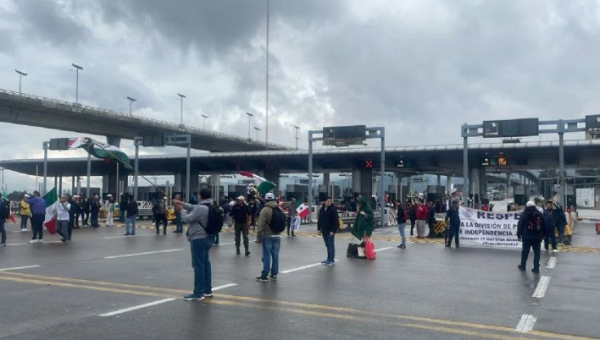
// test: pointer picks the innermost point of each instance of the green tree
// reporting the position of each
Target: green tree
(15, 195)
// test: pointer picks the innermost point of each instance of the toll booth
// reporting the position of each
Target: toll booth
(297, 191)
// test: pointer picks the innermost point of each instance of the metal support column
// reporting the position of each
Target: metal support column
(561, 163)
(381, 179)
(465, 161)
(89, 174)
(188, 195)
(45, 145)
(310, 175)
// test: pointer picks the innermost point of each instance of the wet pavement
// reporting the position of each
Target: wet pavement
(105, 286)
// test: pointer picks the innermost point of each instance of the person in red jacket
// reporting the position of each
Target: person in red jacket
(421, 218)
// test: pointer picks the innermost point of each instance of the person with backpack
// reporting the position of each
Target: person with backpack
(4, 214)
(327, 226)
(401, 218)
(271, 223)
(204, 220)
(531, 230)
(159, 208)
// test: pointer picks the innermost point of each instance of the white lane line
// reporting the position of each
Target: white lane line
(113, 237)
(224, 286)
(542, 286)
(140, 254)
(551, 263)
(301, 268)
(526, 323)
(121, 311)
(224, 244)
(16, 244)
(17, 268)
(383, 249)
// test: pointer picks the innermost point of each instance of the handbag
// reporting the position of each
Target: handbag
(369, 249)
(352, 250)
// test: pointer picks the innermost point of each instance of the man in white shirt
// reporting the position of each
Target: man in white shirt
(62, 218)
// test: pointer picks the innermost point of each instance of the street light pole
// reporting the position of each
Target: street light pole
(181, 96)
(204, 116)
(250, 115)
(21, 75)
(77, 69)
(131, 100)
(257, 129)
(297, 128)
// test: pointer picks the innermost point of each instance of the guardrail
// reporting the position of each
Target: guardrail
(123, 116)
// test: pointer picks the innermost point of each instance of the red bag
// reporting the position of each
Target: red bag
(369, 249)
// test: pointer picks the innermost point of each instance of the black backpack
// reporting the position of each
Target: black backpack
(534, 222)
(277, 221)
(215, 220)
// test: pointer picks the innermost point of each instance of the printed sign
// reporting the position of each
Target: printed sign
(585, 198)
(488, 229)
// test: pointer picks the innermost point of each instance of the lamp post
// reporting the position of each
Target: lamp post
(131, 100)
(181, 96)
(257, 129)
(297, 128)
(250, 115)
(204, 117)
(21, 75)
(77, 69)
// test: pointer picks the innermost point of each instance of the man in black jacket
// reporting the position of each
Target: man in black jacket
(327, 226)
(431, 219)
(240, 212)
(73, 222)
(531, 230)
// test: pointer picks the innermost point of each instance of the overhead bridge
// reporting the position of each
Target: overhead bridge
(31, 110)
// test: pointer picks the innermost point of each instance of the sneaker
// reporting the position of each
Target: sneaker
(521, 268)
(330, 264)
(193, 297)
(262, 279)
(273, 277)
(126, 234)
(32, 241)
(24, 230)
(247, 253)
(209, 295)
(402, 246)
(324, 262)
(555, 250)
(40, 241)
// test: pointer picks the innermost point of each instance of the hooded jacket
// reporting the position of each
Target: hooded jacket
(364, 220)
(530, 215)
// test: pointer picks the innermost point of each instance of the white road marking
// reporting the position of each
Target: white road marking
(526, 323)
(138, 235)
(17, 268)
(551, 263)
(121, 311)
(140, 254)
(542, 286)
(224, 244)
(16, 244)
(301, 268)
(383, 249)
(224, 286)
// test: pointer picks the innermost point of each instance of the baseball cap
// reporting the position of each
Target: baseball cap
(269, 196)
(530, 204)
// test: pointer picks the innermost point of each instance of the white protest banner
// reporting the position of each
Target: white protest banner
(488, 229)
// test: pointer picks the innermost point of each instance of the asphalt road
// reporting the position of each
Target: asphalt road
(99, 287)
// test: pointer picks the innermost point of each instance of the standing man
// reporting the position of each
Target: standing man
(401, 218)
(178, 223)
(327, 226)
(122, 208)
(132, 212)
(95, 210)
(74, 207)
(197, 218)
(431, 209)
(412, 215)
(38, 211)
(85, 210)
(421, 215)
(550, 228)
(531, 230)
(240, 213)
(454, 226)
(159, 209)
(253, 206)
(61, 212)
(560, 220)
(271, 223)
(4, 214)
(24, 212)
(109, 209)
(292, 213)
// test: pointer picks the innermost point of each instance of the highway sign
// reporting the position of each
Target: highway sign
(511, 128)
(344, 135)
(59, 144)
(592, 127)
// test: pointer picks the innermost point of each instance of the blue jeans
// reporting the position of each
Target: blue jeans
(130, 225)
(401, 227)
(24, 221)
(201, 265)
(122, 215)
(62, 229)
(94, 217)
(330, 244)
(178, 222)
(270, 250)
(550, 239)
(3, 232)
(561, 233)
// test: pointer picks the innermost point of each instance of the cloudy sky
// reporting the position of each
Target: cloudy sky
(420, 68)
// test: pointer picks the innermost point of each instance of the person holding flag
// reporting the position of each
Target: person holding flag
(62, 216)
(38, 211)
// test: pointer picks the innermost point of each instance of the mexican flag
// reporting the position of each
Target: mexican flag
(100, 150)
(302, 209)
(262, 185)
(51, 199)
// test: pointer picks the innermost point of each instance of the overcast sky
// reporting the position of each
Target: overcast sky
(420, 68)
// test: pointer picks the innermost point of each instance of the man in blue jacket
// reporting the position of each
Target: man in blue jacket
(38, 215)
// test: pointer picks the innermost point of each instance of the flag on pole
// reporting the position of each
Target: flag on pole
(100, 150)
(302, 209)
(51, 199)
(262, 185)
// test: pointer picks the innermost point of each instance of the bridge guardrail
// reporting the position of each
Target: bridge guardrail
(125, 115)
